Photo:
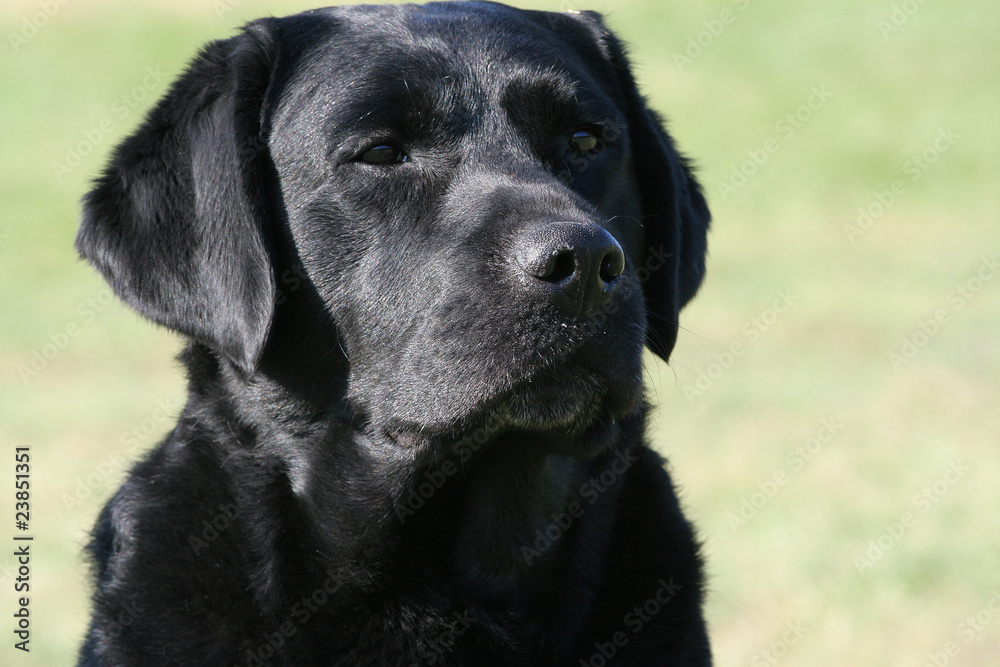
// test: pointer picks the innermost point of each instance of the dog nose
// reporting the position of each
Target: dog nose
(576, 264)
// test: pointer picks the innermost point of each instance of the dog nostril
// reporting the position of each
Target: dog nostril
(560, 267)
(613, 265)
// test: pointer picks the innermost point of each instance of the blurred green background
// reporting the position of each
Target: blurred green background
(832, 410)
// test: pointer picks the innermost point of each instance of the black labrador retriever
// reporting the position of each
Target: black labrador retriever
(417, 252)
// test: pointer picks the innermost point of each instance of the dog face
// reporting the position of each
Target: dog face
(485, 224)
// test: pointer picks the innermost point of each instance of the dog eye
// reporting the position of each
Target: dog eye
(384, 154)
(585, 142)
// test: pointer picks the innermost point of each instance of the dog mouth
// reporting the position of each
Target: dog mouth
(551, 403)
(573, 410)
(564, 405)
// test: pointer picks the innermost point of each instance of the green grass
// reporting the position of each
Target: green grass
(795, 560)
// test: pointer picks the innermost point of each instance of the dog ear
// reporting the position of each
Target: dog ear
(178, 222)
(675, 214)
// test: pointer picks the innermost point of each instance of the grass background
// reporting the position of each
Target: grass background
(728, 426)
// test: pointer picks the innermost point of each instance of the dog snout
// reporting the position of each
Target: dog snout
(574, 264)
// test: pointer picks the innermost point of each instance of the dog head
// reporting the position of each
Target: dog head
(484, 224)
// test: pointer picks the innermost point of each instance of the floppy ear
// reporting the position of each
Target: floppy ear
(177, 223)
(675, 215)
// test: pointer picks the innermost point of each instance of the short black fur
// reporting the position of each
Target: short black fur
(414, 431)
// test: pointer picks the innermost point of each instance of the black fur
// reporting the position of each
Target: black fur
(404, 442)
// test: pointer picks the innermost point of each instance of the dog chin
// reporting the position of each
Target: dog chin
(562, 419)
(548, 406)
(576, 411)
(564, 406)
